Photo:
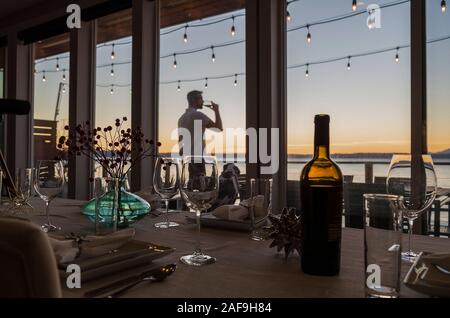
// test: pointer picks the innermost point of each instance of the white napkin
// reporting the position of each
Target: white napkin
(242, 211)
(231, 212)
(67, 250)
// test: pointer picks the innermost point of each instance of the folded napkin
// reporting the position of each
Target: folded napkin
(73, 247)
(231, 212)
(430, 274)
(242, 211)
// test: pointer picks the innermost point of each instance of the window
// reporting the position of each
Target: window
(51, 98)
(438, 92)
(360, 77)
(113, 91)
(204, 53)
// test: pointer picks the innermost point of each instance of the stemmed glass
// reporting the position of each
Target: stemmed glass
(49, 183)
(199, 187)
(166, 183)
(404, 170)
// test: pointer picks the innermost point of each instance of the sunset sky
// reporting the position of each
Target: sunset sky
(369, 105)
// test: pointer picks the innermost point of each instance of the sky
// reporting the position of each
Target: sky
(369, 105)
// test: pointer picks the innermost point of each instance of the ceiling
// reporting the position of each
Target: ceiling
(9, 8)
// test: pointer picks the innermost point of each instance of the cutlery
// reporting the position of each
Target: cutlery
(155, 274)
(442, 269)
(157, 277)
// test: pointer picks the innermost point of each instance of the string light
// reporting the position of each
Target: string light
(349, 66)
(112, 69)
(443, 6)
(43, 76)
(112, 89)
(174, 60)
(307, 70)
(113, 54)
(206, 82)
(185, 38)
(57, 64)
(178, 87)
(233, 28)
(308, 36)
(235, 80)
(288, 16)
(213, 55)
(397, 57)
(64, 75)
(354, 5)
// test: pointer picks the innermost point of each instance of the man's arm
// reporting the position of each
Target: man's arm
(218, 123)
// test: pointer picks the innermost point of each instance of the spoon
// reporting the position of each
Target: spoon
(158, 276)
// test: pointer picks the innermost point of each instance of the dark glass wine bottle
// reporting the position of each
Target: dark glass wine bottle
(321, 206)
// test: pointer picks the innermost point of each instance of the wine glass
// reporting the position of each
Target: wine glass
(260, 206)
(199, 187)
(49, 183)
(166, 183)
(404, 171)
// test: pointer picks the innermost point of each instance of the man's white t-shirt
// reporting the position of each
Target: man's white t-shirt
(194, 122)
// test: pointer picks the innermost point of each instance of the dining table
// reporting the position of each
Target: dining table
(244, 269)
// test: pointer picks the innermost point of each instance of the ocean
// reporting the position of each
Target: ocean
(355, 167)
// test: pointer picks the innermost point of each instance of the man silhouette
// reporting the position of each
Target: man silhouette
(196, 123)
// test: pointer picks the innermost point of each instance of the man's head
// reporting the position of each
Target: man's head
(195, 99)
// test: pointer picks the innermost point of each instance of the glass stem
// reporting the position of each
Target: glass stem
(47, 211)
(198, 250)
(167, 212)
(410, 228)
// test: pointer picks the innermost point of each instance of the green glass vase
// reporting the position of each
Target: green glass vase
(131, 207)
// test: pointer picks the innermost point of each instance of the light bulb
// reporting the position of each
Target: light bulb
(113, 55)
(308, 36)
(354, 5)
(213, 55)
(206, 82)
(178, 88)
(307, 71)
(174, 61)
(57, 64)
(349, 67)
(443, 6)
(112, 89)
(233, 29)
(288, 16)
(235, 80)
(64, 89)
(43, 76)
(112, 70)
(185, 38)
(64, 75)
(397, 57)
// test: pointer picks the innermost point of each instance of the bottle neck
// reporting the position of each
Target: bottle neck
(322, 141)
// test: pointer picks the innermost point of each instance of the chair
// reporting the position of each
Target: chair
(28, 266)
(354, 201)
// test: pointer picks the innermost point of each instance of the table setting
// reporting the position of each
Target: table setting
(210, 250)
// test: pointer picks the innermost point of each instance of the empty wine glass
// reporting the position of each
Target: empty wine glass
(199, 187)
(49, 183)
(166, 183)
(412, 177)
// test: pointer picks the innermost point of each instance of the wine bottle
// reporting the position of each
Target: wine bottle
(321, 207)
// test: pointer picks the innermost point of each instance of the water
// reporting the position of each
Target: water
(356, 169)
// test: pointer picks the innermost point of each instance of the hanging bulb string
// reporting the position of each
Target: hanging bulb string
(304, 26)
(206, 48)
(437, 40)
(192, 25)
(345, 16)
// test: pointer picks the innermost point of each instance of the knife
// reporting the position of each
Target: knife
(123, 282)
